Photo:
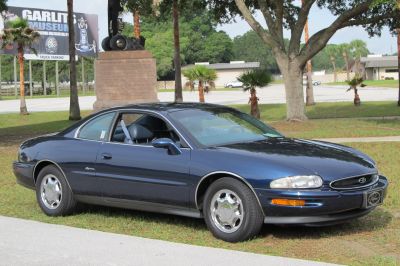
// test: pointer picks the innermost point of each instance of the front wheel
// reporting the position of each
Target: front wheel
(53, 193)
(231, 211)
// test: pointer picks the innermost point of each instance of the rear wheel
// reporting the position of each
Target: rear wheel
(53, 193)
(231, 211)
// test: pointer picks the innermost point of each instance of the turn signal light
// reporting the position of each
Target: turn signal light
(288, 202)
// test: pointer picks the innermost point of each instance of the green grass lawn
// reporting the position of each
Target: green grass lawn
(374, 83)
(16, 126)
(276, 112)
(372, 240)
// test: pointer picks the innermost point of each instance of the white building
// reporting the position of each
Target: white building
(227, 72)
(378, 67)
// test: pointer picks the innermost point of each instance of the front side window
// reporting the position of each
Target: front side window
(219, 127)
(141, 128)
(97, 129)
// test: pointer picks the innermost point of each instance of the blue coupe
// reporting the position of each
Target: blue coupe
(199, 160)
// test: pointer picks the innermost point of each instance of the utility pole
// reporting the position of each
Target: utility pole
(30, 79)
(309, 89)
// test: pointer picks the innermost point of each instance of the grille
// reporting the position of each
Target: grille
(355, 182)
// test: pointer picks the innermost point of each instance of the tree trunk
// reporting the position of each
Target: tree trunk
(398, 59)
(201, 92)
(293, 80)
(74, 110)
(23, 109)
(177, 54)
(333, 61)
(254, 110)
(346, 60)
(136, 24)
(357, 101)
(309, 90)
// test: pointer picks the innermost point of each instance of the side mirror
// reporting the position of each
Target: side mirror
(166, 143)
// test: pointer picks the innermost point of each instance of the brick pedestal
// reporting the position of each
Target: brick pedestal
(125, 77)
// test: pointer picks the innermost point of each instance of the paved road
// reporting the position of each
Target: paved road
(271, 94)
(25, 242)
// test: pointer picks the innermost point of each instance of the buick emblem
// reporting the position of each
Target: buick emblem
(362, 180)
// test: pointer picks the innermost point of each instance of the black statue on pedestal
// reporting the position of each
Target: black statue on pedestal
(115, 40)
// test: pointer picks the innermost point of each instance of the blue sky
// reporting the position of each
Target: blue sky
(318, 20)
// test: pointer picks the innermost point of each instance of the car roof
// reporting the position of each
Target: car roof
(169, 107)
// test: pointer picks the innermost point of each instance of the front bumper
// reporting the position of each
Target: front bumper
(323, 207)
(24, 174)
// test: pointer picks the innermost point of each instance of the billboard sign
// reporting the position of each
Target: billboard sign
(53, 28)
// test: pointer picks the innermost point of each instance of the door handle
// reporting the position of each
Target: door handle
(106, 156)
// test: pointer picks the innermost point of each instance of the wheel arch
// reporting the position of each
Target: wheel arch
(210, 178)
(42, 164)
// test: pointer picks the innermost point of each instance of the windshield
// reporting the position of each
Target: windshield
(219, 127)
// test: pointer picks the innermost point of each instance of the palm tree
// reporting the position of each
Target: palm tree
(358, 48)
(74, 110)
(251, 80)
(204, 75)
(18, 32)
(177, 53)
(191, 79)
(332, 51)
(354, 83)
(138, 8)
(398, 54)
(345, 50)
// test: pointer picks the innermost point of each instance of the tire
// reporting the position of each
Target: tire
(105, 44)
(119, 43)
(252, 218)
(59, 199)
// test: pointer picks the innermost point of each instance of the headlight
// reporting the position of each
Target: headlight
(302, 181)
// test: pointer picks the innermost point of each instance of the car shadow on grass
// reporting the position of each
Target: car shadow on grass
(376, 220)
(148, 217)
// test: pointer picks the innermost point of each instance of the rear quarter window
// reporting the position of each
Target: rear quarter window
(98, 128)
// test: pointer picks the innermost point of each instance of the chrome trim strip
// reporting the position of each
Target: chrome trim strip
(364, 186)
(54, 163)
(228, 173)
(132, 110)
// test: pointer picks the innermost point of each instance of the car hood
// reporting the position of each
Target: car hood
(328, 160)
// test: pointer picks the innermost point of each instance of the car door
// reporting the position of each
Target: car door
(141, 172)
(79, 155)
